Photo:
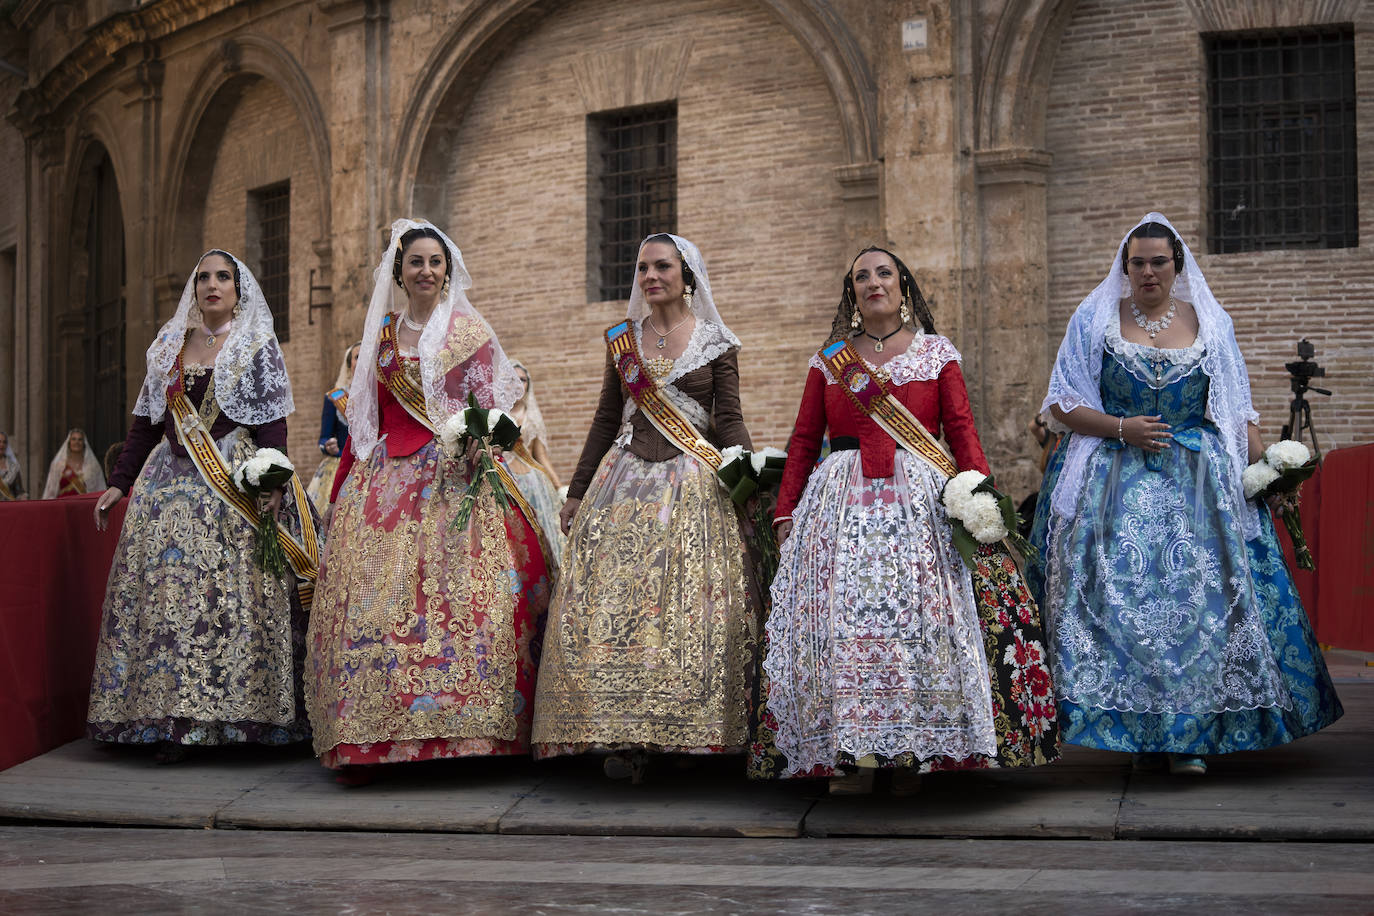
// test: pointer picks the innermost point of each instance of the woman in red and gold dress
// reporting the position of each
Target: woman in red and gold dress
(883, 651)
(424, 637)
(74, 470)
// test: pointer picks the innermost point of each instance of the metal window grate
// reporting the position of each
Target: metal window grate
(273, 206)
(637, 177)
(1281, 117)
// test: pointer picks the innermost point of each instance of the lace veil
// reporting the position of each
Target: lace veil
(1078, 369)
(447, 373)
(91, 473)
(532, 425)
(251, 385)
(703, 303)
(345, 374)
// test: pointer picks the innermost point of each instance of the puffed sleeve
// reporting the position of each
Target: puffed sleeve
(728, 419)
(956, 420)
(138, 444)
(604, 426)
(805, 444)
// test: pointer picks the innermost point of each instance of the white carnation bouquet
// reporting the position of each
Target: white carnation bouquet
(266, 470)
(1280, 475)
(490, 429)
(980, 514)
(746, 474)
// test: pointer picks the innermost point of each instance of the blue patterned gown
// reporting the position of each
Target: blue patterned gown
(1168, 630)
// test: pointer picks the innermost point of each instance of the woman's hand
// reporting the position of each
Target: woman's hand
(331, 447)
(104, 504)
(565, 515)
(1147, 433)
(784, 531)
(273, 502)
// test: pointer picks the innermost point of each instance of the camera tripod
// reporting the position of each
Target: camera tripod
(1300, 375)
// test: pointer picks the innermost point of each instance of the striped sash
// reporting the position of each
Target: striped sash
(666, 418)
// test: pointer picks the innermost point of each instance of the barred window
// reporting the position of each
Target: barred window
(271, 209)
(1281, 117)
(632, 161)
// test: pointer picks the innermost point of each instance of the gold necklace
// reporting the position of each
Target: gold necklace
(663, 335)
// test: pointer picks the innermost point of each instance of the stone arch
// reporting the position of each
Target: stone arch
(237, 63)
(477, 39)
(1015, 83)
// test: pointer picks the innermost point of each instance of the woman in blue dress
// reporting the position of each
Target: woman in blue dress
(1174, 625)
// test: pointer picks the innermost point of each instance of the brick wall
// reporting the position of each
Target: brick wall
(265, 144)
(757, 140)
(1126, 117)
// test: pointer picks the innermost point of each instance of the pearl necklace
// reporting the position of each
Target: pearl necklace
(211, 335)
(405, 319)
(663, 335)
(1154, 327)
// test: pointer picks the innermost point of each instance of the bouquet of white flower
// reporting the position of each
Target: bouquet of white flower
(745, 474)
(980, 514)
(267, 470)
(489, 429)
(1280, 474)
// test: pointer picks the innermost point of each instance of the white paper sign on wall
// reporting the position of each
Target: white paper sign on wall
(914, 35)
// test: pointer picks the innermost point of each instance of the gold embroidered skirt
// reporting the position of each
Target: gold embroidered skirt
(197, 644)
(652, 628)
(323, 481)
(424, 638)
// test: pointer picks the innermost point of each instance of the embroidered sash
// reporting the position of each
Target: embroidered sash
(339, 398)
(524, 454)
(665, 417)
(871, 396)
(410, 397)
(6, 493)
(304, 554)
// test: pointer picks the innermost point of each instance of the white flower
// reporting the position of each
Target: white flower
(1256, 477)
(454, 430)
(959, 492)
(760, 458)
(494, 416)
(727, 455)
(275, 458)
(985, 519)
(563, 493)
(1287, 454)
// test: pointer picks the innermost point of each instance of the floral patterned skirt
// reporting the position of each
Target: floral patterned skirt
(322, 483)
(197, 644)
(882, 650)
(424, 639)
(652, 631)
(539, 492)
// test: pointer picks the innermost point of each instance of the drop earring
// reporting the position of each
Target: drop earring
(906, 311)
(687, 297)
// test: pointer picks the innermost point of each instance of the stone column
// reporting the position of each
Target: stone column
(1012, 310)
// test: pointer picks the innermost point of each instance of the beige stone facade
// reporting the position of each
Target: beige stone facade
(1003, 160)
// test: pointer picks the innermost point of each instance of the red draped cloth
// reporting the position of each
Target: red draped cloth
(53, 567)
(1338, 521)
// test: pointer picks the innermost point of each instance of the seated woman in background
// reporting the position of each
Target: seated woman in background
(74, 470)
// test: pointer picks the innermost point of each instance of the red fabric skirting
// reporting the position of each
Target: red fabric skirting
(1338, 521)
(53, 567)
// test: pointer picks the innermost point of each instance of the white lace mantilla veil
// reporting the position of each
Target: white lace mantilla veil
(703, 303)
(251, 384)
(91, 473)
(495, 385)
(532, 426)
(1075, 379)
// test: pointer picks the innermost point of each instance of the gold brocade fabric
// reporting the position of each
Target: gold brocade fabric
(196, 641)
(419, 631)
(652, 628)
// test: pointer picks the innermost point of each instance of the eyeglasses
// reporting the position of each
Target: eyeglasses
(1156, 264)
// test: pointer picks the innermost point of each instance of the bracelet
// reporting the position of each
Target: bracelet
(1120, 421)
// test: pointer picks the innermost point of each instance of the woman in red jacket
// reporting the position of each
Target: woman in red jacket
(879, 653)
